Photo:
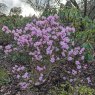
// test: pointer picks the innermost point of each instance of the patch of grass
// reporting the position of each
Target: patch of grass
(4, 76)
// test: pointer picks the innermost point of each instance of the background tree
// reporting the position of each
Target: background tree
(87, 7)
(42, 4)
(68, 4)
(3, 8)
(15, 11)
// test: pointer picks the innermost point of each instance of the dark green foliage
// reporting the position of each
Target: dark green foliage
(49, 11)
(20, 58)
(14, 21)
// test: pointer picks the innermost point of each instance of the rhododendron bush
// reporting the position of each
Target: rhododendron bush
(45, 43)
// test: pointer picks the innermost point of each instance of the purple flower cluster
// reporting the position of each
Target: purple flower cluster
(8, 49)
(6, 29)
(78, 65)
(20, 73)
(45, 39)
(41, 79)
(40, 68)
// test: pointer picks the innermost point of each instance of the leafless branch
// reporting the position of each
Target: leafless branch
(85, 7)
(74, 3)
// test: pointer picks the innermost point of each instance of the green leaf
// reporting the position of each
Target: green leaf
(89, 57)
(87, 46)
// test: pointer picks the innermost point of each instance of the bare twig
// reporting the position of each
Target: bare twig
(74, 3)
(85, 7)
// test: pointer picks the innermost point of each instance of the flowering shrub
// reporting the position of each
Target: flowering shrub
(45, 43)
(45, 39)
